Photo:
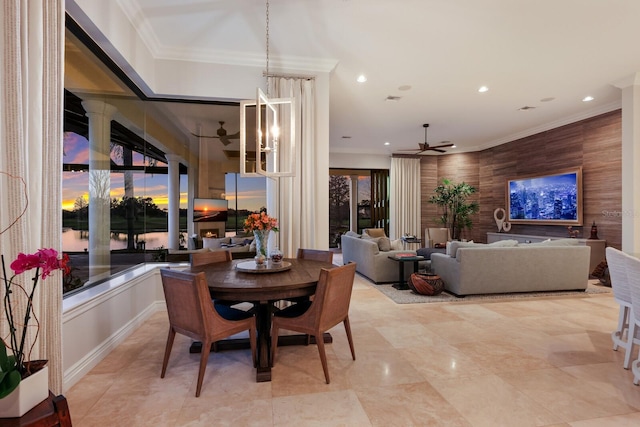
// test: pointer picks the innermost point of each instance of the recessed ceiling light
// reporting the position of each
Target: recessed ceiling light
(361, 78)
(387, 143)
(454, 146)
(525, 108)
(404, 87)
(587, 98)
(393, 98)
(483, 89)
(346, 137)
(549, 99)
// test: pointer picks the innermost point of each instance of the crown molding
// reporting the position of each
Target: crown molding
(606, 108)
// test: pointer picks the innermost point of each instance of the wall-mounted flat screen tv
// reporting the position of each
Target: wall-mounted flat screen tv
(554, 198)
(209, 210)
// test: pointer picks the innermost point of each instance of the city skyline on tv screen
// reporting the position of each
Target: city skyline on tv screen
(548, 198)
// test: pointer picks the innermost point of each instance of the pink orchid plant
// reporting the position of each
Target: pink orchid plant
(45, 261)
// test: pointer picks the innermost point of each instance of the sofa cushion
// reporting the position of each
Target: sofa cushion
(375, 232)
(242, 240)
(352, 234)
(557, 242)
(504, 243)
(384, 244)
(455, 245)
(213, 243)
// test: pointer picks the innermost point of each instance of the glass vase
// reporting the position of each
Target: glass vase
(262, 241)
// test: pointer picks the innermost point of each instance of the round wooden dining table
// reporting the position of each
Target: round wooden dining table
(263, 288)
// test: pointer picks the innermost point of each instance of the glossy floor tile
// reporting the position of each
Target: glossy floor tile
(527, 362)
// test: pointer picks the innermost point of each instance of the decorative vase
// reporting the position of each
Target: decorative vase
(30, 392)
(262, 241)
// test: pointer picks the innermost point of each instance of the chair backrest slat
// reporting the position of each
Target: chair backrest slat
(203, 258)
(333, 295)
(184, 293)
(633, 273)
(618, 272)
(315, 255)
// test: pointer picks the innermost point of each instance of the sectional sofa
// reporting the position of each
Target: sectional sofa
(508, 266)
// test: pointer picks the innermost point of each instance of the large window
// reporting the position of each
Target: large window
(349, 198)
(115, 177)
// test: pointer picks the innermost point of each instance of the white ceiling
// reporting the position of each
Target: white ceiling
(433, 54)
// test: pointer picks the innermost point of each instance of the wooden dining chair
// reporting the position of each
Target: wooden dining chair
(315, 254)
(329, 307)
(312, 254)
(203, 258)
(192, 313)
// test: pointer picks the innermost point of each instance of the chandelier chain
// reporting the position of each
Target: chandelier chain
(267, 37)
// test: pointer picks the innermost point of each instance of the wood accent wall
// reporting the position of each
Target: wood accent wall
(594, 143)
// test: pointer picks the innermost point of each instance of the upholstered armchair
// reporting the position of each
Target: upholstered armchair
(436, 236)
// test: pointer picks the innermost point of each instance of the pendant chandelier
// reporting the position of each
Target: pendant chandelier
(274, 130)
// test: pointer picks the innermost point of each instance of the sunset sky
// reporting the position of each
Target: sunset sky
(251, 191)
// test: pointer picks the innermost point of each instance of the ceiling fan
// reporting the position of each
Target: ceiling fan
(424, 146)
(221, 135)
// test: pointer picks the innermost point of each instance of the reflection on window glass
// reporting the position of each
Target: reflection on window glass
(245, 195)
(136, 197)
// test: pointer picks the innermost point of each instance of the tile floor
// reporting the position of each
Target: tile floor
(529, 362)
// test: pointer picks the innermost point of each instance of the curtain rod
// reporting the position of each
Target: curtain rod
(288, 76)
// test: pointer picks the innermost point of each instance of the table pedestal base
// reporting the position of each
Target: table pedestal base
(263, 373)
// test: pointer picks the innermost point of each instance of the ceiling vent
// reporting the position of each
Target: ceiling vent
(393, 98)
(525, 108)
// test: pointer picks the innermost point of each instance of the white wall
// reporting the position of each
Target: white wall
(99, 319)
(359, 161)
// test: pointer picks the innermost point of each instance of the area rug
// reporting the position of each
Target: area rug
(409, 297)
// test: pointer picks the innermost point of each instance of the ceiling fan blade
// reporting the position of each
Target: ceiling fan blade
(204, 136)
(437, 149)
(234, 136)
(225, 140)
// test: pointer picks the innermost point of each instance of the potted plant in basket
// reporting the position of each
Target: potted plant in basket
(16, 367)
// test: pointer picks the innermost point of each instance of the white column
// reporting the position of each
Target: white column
(353, 203)
(174, 200)
(191, 190)
(100, 115)
(630, 163)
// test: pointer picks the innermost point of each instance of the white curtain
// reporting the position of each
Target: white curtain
(404, 198)
(292, 199)
(31, 145)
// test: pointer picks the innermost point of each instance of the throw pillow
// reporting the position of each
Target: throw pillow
(375, 232)
(396, 245)
(384, 244)
(352, 234)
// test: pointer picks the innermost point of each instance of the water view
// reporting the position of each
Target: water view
(78, 240)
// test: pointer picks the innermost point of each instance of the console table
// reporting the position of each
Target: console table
(597, 246)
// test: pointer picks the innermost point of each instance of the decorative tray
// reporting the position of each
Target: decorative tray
(268, 267)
